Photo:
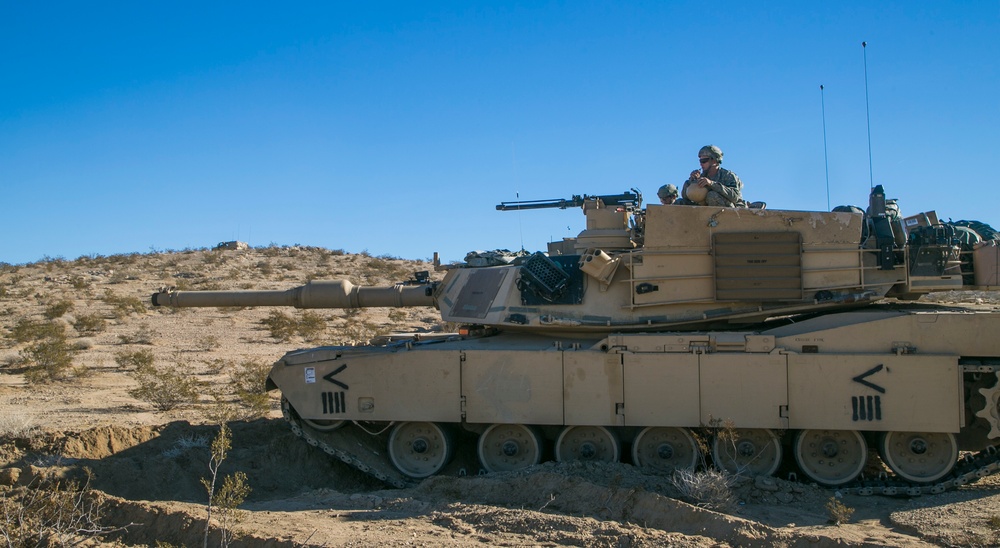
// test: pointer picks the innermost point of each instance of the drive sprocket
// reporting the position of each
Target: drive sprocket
(991, 410)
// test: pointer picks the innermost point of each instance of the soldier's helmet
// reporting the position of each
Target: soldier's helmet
(667, 191)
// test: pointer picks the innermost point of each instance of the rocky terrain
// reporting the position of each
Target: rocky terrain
(84, 359)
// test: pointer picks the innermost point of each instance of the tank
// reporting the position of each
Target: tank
(758, 341)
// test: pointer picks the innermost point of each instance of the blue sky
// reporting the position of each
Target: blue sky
(396, 127)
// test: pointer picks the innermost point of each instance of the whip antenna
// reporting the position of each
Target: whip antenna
(871, 178)
(826, 158)
(517, 193)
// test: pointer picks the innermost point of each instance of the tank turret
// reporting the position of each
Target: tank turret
(763, 335)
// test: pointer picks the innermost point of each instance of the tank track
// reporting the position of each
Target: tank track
(361, 451)
(366, 453)
(969, 468)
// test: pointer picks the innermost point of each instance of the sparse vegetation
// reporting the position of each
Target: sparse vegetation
(124, 306)
(58, 309)
(837, 512)
(143, 335)
(233, 491)
(136, 360)
(166, 387)
(249, 378)
(26, 330)
(310, 325)
(709, 488)
(48, 360)
(90, 324)
(16, 425)
(51, 513)
(397, 315)
(283, 327)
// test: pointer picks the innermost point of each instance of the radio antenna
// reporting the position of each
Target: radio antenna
(868, 115)
(517, 192)
(826, 158)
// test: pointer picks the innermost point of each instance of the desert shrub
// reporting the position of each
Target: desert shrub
(134, 360)
(249, 381)
(124, 306)
(26, 330)
(48, 360)
(58, 309)
(281, 325)
(213, 258)
(837, 512)
(355, 332)
(265, 268)
(397, 315)
(181, 284)
(710, 488)
(166, 388)
(143, 335)
(90, 323)
(79, 282)
(16, 425)
(310, 325)
(3, 291)
(225, 499)
(272, 250)
(51, 513)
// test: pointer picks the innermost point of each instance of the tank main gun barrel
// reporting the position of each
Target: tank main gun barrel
(315, 294)
(633, 199)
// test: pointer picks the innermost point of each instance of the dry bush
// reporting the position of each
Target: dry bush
(397, 315)
(224, 500)
(134, 360)
(81, 283)
(213, 258)
(52, 514)
(58, 309)
(281, 325)
(124, 306)
(837, 512)
(166, 388)
(355, 332)
(249, 381)
(710, 488)
(16, 425)
(48, 360)
(265, 268)
(90, 324)
(26, 330)
(310, 325)
(143, 335)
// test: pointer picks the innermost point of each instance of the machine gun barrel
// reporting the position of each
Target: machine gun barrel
(315, 294)
(626, 198)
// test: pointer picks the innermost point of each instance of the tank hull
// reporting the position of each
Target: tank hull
(874, 372)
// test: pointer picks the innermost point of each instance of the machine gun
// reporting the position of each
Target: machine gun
(630, 200)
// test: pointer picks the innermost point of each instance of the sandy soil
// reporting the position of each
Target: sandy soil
(147, 464)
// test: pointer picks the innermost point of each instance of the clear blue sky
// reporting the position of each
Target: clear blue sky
(396, 127)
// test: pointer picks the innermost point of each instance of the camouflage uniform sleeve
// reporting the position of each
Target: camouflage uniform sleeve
(728, 185)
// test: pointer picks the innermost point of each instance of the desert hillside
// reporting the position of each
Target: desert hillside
(109, 408)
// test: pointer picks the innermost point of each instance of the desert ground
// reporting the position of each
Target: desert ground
(81, 351)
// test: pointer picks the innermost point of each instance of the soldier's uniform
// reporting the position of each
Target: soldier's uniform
(727, 189)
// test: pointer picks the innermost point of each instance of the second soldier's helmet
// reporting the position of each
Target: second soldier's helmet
(667, 191)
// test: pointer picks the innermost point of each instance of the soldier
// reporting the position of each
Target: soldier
(719, 186)
(667, 194)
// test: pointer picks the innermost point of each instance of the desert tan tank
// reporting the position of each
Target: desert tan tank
(671, 337)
